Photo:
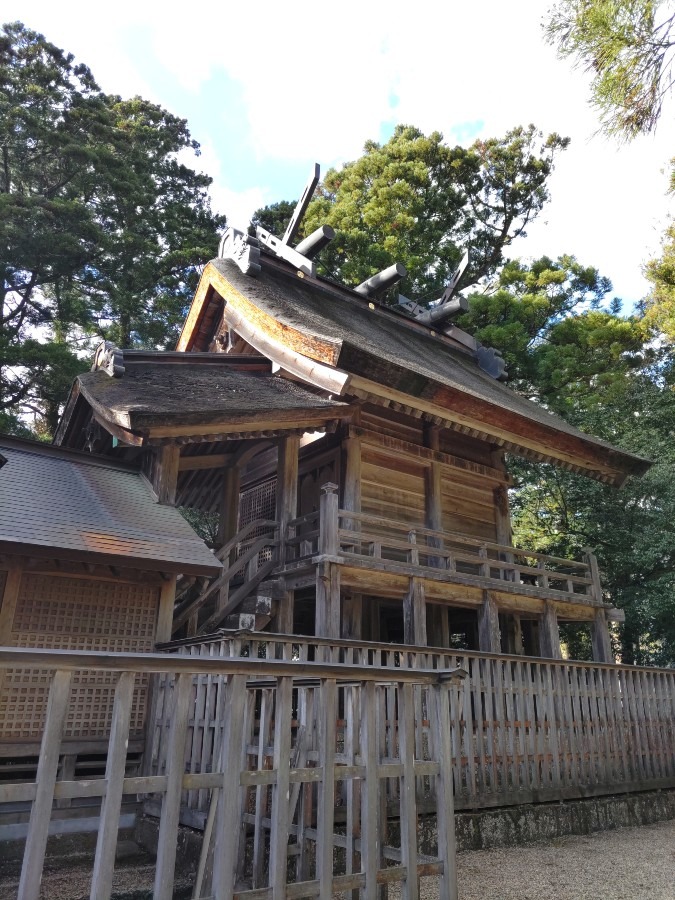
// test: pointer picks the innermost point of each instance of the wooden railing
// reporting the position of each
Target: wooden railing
(254, 549)
(270, 782)
(522, 730)
(377, 543)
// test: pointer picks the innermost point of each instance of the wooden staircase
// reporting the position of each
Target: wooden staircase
(241, 596)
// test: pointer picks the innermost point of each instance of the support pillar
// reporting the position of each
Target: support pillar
(415, 614)
(549, 634)
(228, 524)
(600, 638)
(351, 625)
(165, 473)
(489, 638)
(433, 498)
(328, 567)
(287, 509)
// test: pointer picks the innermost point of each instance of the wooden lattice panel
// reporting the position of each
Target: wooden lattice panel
(76, 614)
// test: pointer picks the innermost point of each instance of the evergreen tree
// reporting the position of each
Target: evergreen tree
(101, 227)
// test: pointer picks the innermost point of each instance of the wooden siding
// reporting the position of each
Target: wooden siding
(392, 490)
(467, 504)
(65, 613)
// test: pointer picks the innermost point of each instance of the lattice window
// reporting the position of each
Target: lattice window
(76, 614)
(259, 502)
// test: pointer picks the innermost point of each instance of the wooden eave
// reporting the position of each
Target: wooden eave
(347, 370)
(112, 560)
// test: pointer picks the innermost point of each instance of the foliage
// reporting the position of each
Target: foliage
(101, 226)
(418, 201)
(559, 344)
(660, 304)
(275, 217)
(627, 46)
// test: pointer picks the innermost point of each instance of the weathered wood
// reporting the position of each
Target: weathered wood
(445, 810)
(326, 804)
(327, 572)
(228, 816)
(280, 824)
(167, 597)
(600, 638)
(549, 635)
(489, 639)
(414, 614)
(106, 843)
(406, 736)
(165, 473)
(370, 799)
(40, 814)
(175, 763)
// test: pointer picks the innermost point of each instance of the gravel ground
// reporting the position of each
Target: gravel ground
(627, 864)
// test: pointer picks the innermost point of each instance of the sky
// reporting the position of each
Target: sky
(269, 88)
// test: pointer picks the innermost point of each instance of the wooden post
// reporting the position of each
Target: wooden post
(489, 639)
(433, 498)
(352, 616)
(287, 509)
(445, 801)
(165, 474)
(104, 862)
(415, 614)
(352, 610)
(594, 572)
(40, 813)
(8, 602)
(549, 635)
(228, 815)
(327, 571)
(175, 768)
(351, 499)
(600, 638)
(167, 598)
(370, 796)
(229, 507)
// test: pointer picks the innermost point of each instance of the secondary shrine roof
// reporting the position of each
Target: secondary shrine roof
(62, 502)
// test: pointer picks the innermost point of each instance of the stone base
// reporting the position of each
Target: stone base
(517, 825)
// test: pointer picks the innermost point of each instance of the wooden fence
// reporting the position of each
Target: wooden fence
(275, 827)
(522, 730)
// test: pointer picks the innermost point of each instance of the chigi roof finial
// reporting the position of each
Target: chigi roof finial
(244, 249)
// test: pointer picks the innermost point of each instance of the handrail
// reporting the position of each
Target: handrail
(188, 609)
(269, 637)
(74, 660)
(241, 535)
(455, 536)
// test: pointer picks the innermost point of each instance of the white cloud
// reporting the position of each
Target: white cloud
(315, 82)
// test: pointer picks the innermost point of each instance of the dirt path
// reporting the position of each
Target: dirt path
(627, 864)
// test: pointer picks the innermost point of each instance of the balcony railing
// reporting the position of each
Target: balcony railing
(372, 542)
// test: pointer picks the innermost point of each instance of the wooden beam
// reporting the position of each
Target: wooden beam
(207, 461)
(287, 509)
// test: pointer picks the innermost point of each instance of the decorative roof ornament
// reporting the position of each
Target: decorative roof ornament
(109, 359)
(242, 249)
(245, 249)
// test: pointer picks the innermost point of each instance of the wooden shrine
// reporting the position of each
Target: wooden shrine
(88, 561)
(349, 460)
